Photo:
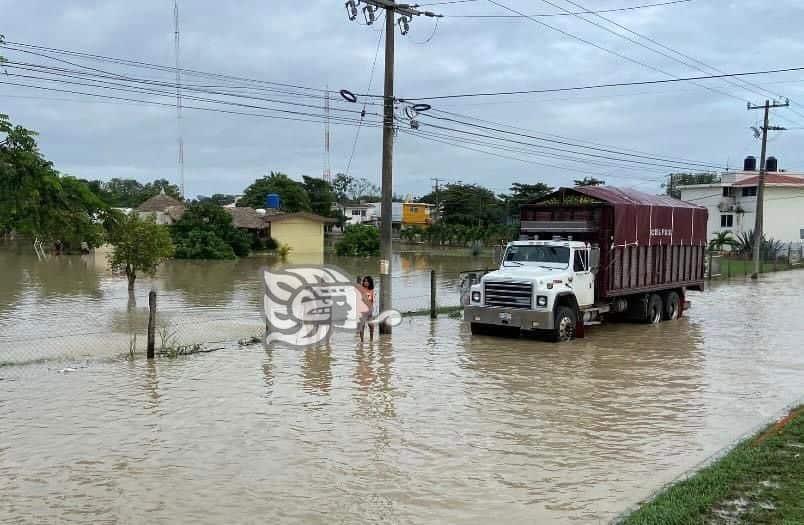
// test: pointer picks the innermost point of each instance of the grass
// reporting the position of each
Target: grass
(730, 267)
(761, 481)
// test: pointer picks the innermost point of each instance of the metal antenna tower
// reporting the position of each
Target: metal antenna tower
(177, 52)
(327, 165)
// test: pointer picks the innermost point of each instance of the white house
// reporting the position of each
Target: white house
(358, 213)
(732, 202)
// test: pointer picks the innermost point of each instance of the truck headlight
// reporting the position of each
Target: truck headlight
(541, 300)
(475, 297)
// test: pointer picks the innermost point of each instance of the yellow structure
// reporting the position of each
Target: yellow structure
(416, 214)
(302, 232)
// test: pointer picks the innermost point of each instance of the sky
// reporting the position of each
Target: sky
(314, 45)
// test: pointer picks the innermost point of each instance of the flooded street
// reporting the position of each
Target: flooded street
(431, 426)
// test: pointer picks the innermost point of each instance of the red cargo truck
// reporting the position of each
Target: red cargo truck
(587, 254)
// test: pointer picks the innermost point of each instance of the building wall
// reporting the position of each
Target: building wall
(304, 236)
(415, 214)
(784, 213)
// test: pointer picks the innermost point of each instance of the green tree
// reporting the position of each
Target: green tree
(468, 204)
(674, 180)
(321, 195)
(221, 199)
(522, 194)
(205, 231)
(340, 185)
(154, 188)
(589, 181)
(37, 201)
(721, 240)
(294, 197)
(138, 245)
(359, 240)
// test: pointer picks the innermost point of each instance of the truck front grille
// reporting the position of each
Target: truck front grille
(509, 294)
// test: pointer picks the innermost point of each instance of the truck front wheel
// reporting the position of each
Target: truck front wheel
(564, 324)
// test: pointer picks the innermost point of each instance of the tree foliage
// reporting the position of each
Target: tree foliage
(468, 204)
(359, 240)
(37, 201)
(524, 193)
(205, 231)
(130, 193)
(589, 181)
(138, 245)
(293, 195)
(321, 195)
(675, 180)
(347, 187)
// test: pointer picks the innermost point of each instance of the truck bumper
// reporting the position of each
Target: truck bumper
(510, 317)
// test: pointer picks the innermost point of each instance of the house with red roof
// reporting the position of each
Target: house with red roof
(732, 201)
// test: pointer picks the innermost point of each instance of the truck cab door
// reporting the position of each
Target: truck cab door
(584, 279)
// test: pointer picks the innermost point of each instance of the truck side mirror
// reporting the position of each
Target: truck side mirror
(594, 259)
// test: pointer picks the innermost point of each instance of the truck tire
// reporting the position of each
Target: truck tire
(672, 306)
(655, 310)
(564, 324)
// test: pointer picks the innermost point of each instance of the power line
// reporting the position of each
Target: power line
(546, 15)
(315, 118)
(596, 86)
(362, 113)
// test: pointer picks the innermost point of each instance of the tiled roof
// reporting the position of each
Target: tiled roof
(160, 202)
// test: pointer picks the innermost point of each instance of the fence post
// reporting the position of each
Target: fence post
(151, 323)
(710, 265)
(433, 312)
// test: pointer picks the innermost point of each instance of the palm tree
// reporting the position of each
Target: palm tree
(721, 240)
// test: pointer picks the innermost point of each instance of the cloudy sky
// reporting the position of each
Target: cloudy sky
(313, 45)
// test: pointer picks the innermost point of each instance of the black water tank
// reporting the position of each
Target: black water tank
(772, 164)
(750, 163)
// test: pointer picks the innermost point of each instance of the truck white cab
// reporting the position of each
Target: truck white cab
(540, 285)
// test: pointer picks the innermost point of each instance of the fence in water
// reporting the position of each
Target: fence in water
(727, 265)
(78, 328)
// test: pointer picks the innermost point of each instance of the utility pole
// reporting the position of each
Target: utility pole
(406, 12)
(760, 207)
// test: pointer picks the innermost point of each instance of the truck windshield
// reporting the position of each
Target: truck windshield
(538, 254)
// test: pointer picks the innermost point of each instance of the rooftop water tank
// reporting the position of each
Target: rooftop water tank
(772, 164)
(273, 201)
(750, 163)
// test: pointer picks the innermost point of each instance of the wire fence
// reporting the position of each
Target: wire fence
(728, 265)
(75, 329)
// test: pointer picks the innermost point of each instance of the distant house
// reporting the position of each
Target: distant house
(416, 214)
(303, 232)
(164, 209)
(246, 218)
(358, 212)
(732, 202)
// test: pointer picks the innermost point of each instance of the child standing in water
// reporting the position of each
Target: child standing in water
(367, 294)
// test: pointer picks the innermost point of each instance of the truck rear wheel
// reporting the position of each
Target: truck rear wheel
(655, 311)
(564, 324)
(672, 306)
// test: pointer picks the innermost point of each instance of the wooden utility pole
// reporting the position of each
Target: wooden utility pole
(406, 12)
(151, 324)
(760, 207)
(437, 198)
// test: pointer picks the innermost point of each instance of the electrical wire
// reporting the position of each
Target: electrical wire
(370, 82)
(545, 15)
(592, 86)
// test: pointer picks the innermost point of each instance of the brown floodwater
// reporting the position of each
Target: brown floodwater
(431, 425)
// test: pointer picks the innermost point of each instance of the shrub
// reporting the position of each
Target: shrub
(359, 240)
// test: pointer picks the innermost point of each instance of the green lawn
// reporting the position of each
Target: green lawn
(761, 481)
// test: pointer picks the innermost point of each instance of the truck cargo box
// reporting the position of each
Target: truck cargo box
(647, 242)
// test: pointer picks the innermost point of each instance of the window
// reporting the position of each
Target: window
(355, 213)
(581, 262)
(727, 221)
(728, 191)
(750, 191)
(414, 209)
(801, 234)
(538, 253)
(362, 213)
